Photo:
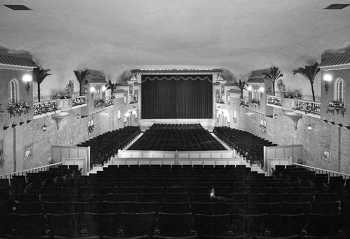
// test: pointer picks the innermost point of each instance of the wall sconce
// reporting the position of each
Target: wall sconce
(27, 78)
(261, 89)
(309, 127)
(44, 127)
(327, 78)
(92, 89)
(104, 88)
(249, 88)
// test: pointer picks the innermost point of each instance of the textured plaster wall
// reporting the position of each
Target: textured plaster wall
(72, 130)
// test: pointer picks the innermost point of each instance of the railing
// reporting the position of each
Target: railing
(324, 171)
(307, 106)
(15, 113)
(80, 100)
(274, 100)
(45, 107)
(32, 170)
(255, 101)
(244, 102)
(336, 106)
(103, 103)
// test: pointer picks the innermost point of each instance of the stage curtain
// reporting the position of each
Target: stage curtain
(177, 97)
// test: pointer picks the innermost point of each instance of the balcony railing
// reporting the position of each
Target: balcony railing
(244, 102)
(336, 106)
(80, 100)
(274, 100)
(103, 103)
(308, 106)
(15, 113)
(255, 101)
(45, 107)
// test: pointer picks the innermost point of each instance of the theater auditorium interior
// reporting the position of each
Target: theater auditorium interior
(174, 119)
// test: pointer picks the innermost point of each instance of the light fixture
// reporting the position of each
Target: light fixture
(92, 89)
(249, 88)
(261, 89)
(327, 77)
(309, 127)
(27, 78)
(104, 88)
(44, 127)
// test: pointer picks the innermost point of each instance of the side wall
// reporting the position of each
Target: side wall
(72, 130)
(317, 137)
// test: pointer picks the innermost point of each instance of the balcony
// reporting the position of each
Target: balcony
(45, 107)
(308, 107)
(336, 107)
(79, 100)
(245, 102)
(274, 100)
(255, 102)
(100, 103)
(16, 113)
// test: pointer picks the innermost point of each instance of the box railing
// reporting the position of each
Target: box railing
(274, 100)
(79, 100)
(44, 107)
(308, 106)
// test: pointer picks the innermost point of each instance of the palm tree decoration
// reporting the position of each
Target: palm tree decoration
(242, 85)
(80, 75)
(274, 74)
(310, 72)
(40, 75)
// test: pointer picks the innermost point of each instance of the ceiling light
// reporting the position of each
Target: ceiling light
(336, 6)
(17, 7)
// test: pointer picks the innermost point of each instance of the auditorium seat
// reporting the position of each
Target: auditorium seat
(175, 225)
(28, 225)
(180, 137)
(245, 143)
(213, 226)
(138, 225)
(106, 145)
(64, 224)
(176, 201)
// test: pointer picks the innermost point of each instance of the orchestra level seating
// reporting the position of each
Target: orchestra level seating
(175, 202)
(245, 143)
(181, 137)
(106, 145)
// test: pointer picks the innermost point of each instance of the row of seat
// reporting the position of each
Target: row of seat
(214, 206)
(177, 225)
(177, 137)
(104, 146)
(246, 144)
(271, 204)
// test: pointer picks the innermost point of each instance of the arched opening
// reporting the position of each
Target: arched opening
(339, 90)
(14, 94)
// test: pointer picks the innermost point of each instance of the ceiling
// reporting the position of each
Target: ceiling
(113, 35)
